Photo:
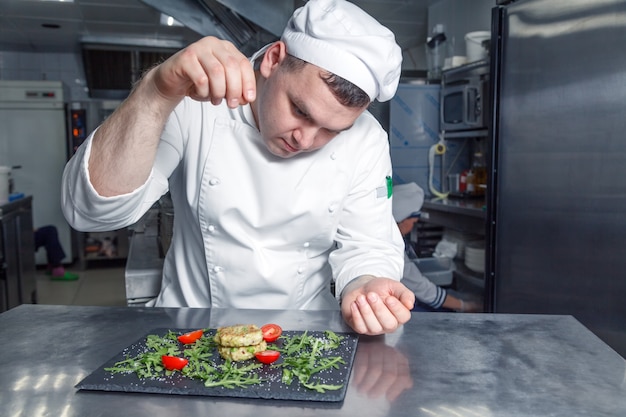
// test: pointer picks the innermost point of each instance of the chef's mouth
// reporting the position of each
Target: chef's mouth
(290, 148)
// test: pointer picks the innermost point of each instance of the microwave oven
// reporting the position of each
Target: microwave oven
(465, 97)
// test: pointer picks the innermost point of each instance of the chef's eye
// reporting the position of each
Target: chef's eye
(299, 112)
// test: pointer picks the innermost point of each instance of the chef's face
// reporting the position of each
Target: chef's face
(295, 110)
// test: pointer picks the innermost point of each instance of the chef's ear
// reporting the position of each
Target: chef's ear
(272, 58)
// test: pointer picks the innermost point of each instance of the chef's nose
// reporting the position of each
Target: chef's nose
(304, 137)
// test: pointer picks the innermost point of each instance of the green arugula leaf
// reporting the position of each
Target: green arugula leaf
(304, 358)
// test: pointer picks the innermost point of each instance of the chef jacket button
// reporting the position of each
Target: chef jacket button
(333, 156)
(214, 181)
(211, 228)
(306, 244)
(300, 269)
(217, 269)
(331, 208)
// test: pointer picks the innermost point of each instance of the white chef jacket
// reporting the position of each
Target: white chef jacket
(253, 230)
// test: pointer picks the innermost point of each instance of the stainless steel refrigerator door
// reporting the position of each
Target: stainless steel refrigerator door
(33, 136)
(558, 202)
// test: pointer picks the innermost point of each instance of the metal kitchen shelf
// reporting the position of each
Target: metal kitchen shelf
(464, 134)
(464, 215)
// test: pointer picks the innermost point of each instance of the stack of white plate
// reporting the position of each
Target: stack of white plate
(475, 255)
(460, 238)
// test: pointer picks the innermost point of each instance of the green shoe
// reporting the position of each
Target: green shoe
(68, 276)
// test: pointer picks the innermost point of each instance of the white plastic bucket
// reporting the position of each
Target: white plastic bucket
(473, 45)
(4, 184)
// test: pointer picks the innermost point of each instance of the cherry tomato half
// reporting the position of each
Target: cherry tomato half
(267, 356)
(271, 332)
(174, 363)
(190, 337)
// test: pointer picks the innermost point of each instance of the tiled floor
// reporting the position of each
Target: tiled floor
(101, 286)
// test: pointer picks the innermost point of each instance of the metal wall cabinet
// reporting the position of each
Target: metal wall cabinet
(17, 254)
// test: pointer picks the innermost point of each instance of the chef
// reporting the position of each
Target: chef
(280, 178)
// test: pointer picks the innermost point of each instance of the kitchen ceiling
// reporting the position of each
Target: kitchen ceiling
(50, 26)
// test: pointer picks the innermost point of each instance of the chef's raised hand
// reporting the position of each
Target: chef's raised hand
(209, 69)
(373, 305)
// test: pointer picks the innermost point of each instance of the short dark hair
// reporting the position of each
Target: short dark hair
(347, 93)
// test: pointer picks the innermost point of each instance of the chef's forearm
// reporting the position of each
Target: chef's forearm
(124, 147)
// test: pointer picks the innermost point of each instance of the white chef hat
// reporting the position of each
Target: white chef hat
(341, 38)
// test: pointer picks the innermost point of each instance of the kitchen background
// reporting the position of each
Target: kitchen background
(97, 48)
(32, 47)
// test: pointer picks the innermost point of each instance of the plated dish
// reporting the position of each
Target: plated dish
(311, 366)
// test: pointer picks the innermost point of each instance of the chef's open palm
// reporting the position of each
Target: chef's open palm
(210, 69)
(372, 305)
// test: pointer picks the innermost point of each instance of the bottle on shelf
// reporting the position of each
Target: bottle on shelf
(471, 182)
(479, 168)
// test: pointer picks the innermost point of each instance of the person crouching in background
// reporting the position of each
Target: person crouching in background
(407, 200)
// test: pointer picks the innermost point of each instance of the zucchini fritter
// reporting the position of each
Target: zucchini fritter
(241, 353)
(239, 335)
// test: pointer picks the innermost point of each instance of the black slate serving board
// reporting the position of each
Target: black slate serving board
(271, 386)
